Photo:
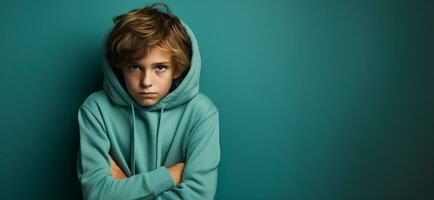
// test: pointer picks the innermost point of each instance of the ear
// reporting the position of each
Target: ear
(177, 74)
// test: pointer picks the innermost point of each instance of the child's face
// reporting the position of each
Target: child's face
(150, 79)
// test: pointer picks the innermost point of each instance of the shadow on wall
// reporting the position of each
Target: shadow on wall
(82, 77)
(89, 79)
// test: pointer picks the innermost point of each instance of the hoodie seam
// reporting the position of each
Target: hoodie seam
(94, 116)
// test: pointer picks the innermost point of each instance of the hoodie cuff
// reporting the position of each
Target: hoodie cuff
(161, 180)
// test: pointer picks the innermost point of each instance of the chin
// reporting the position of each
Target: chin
(148, 103)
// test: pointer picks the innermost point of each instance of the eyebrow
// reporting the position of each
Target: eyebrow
(159, 63)
(154, 64)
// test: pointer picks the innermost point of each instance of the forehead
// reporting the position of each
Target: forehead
(154, 54)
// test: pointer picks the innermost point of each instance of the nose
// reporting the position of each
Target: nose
(146, 81)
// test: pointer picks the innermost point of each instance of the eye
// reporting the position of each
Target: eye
(134, 68)
(161, 68)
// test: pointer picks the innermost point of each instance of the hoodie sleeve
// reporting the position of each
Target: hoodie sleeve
(93, 167)
(199, 179)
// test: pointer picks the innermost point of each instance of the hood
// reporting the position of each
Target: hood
(183, 89)
(187, 86)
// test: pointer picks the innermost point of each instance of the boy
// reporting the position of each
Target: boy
(149, 133)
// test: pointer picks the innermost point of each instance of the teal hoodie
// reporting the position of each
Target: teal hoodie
(144, 141)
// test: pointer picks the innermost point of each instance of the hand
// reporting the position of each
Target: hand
(115, 170)
(176, 171)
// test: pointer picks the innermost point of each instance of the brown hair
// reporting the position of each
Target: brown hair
(139, 30)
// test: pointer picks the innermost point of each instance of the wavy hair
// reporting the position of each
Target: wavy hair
(139, 30)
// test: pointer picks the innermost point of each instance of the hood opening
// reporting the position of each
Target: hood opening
(182, 90)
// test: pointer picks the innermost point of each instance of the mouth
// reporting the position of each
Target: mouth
(147, 94)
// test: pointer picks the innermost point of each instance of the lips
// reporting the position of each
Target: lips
(147, 94)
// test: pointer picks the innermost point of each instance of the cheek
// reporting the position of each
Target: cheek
(130, 82)
(165, 80)
(168, 83)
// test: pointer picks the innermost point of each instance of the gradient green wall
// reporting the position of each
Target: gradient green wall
(318, 99)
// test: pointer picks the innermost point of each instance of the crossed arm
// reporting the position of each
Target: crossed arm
(198, 173)
(175, 171)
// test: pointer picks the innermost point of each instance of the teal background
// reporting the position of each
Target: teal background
(317, 99)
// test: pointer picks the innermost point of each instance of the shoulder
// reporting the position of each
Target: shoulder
(95, 100)
(203, 104)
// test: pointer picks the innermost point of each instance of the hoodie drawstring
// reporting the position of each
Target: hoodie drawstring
(158, 152)
(133, 143)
